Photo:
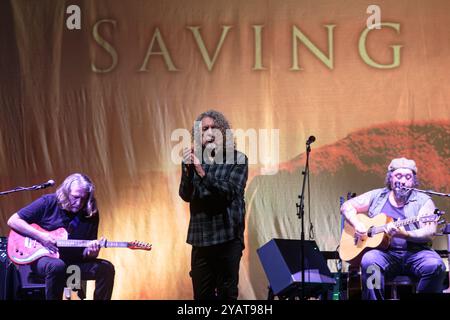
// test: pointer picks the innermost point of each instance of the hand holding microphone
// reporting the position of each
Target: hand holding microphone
(190, 160)
(187, 161)
(187, 156)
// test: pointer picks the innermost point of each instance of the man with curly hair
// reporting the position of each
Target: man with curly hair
(214, 175)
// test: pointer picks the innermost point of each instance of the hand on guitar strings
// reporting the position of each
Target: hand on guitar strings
(48, 241)
(93, 248)
(391, 229)
(360, 230)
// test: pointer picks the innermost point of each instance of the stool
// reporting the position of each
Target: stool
(401, 280)
(32, 286)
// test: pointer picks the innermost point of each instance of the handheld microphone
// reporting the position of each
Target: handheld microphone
(44, 185)
(310, 140)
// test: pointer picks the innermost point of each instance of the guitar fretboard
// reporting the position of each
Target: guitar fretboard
(399, 223)
(84, 243)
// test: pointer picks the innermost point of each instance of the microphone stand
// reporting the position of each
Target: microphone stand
(446, 228)
(300, 213)
(35, 187)
(431, 192)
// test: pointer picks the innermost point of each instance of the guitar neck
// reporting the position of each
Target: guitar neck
(398, 223)
(84, 243)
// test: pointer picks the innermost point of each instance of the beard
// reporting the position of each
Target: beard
(401, 194)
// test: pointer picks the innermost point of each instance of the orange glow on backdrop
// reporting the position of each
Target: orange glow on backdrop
(104, 100)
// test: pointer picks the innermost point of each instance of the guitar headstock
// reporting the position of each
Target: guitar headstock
(442, 226)
(432, 217)
(139, 245)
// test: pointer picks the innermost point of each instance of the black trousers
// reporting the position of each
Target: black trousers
(215, 270)
(54, 272)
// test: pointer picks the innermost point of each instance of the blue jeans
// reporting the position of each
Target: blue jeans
(425, 265)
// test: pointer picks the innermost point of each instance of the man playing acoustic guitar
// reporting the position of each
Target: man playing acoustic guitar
(409, 249)
(72, 207)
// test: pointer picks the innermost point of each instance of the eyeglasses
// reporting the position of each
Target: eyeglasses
(408, 176)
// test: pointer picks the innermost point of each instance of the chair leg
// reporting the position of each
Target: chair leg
(270, 295)
(394, 292)
(67, 294)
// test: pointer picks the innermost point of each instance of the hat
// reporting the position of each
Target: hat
(402, 163)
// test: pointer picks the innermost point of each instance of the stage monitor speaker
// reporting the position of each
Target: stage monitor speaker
(281, 261)
(4, 266)
(8, 273)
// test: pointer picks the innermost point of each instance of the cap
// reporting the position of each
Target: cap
(402, 163)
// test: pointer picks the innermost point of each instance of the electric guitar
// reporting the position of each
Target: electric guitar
(352, 247)
(24, 250)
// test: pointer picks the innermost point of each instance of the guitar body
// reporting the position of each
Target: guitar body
(352, 250)
(24, 250)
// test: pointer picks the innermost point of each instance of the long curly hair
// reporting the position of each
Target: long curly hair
(222, 125)
(62, 193)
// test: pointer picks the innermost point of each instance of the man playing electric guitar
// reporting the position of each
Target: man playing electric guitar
(409, 251)
(72, 207)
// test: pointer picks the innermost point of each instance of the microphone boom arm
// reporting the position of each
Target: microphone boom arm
(429, 192)
(35, 187)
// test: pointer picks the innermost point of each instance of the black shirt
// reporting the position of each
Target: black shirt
(47, 213)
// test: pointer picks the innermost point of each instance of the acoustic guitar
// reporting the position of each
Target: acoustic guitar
(352, 247)
(24, 250)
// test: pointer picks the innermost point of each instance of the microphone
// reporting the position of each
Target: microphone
(397, 185)
(310, 140)
(44, 185)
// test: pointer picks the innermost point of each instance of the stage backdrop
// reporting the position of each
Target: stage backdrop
(106, 98)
